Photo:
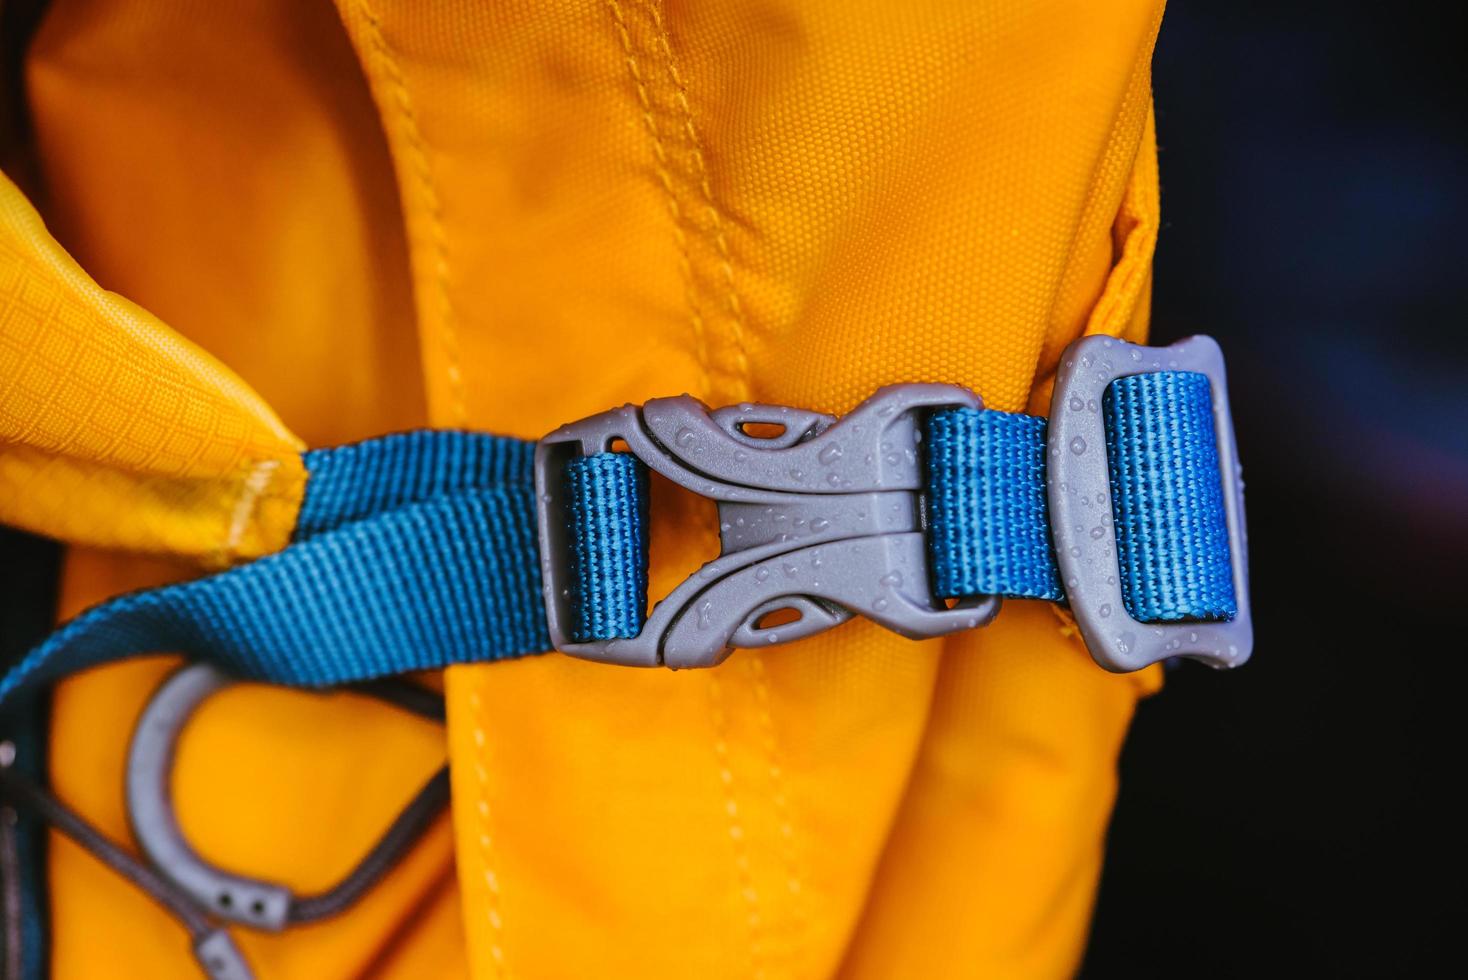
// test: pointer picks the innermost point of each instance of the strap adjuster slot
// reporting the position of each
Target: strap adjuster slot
(1078, 474)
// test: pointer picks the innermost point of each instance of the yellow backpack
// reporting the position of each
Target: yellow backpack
(276, 225)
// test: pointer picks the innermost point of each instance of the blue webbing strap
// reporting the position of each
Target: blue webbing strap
(1171, 530)
(608, 494)
(988, 530)
(419, 550)
(988, 525)
(413, 551)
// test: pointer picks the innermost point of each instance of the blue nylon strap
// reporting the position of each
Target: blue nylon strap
(419, 550)
(361, 479)
(988, 530)
(414, 551)
(1171, 530)
(608, 494)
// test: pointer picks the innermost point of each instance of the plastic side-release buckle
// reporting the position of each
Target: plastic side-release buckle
(824, 518)
(1079, 472)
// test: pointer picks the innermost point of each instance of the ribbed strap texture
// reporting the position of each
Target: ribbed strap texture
(1167, 501)
(607, 494)
(416, 585)
(988, 516)
(988, 532)
(348, 483)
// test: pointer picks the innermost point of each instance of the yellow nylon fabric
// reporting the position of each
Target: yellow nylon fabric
(792, 202)
(581, 204)
(105, 411)
(221, 163)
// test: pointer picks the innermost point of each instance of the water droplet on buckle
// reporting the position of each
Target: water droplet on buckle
(1078, 446)
(761, 574)
(830, 454)
(705, 615)
(819, 524)
(685, 438)
(879, 604)
(1125, 642)
(1098, 531)
(1076, 404)
(892, 579)
(1105, 610)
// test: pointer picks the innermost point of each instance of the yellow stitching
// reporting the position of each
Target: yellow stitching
(423, 171)
(486, 841)
(660, 157)
(737, 835)
(784, 813)
(252, 488)
(700, 177)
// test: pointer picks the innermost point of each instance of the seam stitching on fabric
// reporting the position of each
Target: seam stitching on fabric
(716, 232)
(786, 815)
(743, 870)
(491, 881)
(665, 179)
(422, 169)
(252, 489)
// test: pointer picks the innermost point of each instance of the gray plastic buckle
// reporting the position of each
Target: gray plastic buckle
(824, 518)
(1079, 486)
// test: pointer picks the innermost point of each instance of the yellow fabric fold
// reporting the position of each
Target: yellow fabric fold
(117, 432)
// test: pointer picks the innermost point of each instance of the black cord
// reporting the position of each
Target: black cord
(387, 852)
(213, 947)
(215, 950)
(409, 697)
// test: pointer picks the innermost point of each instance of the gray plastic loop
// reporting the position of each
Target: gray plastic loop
(1078, 475)
(221, 959)
(236, 898)
(824, 518)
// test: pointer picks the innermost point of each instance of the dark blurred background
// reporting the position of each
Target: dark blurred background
(1295, 817)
